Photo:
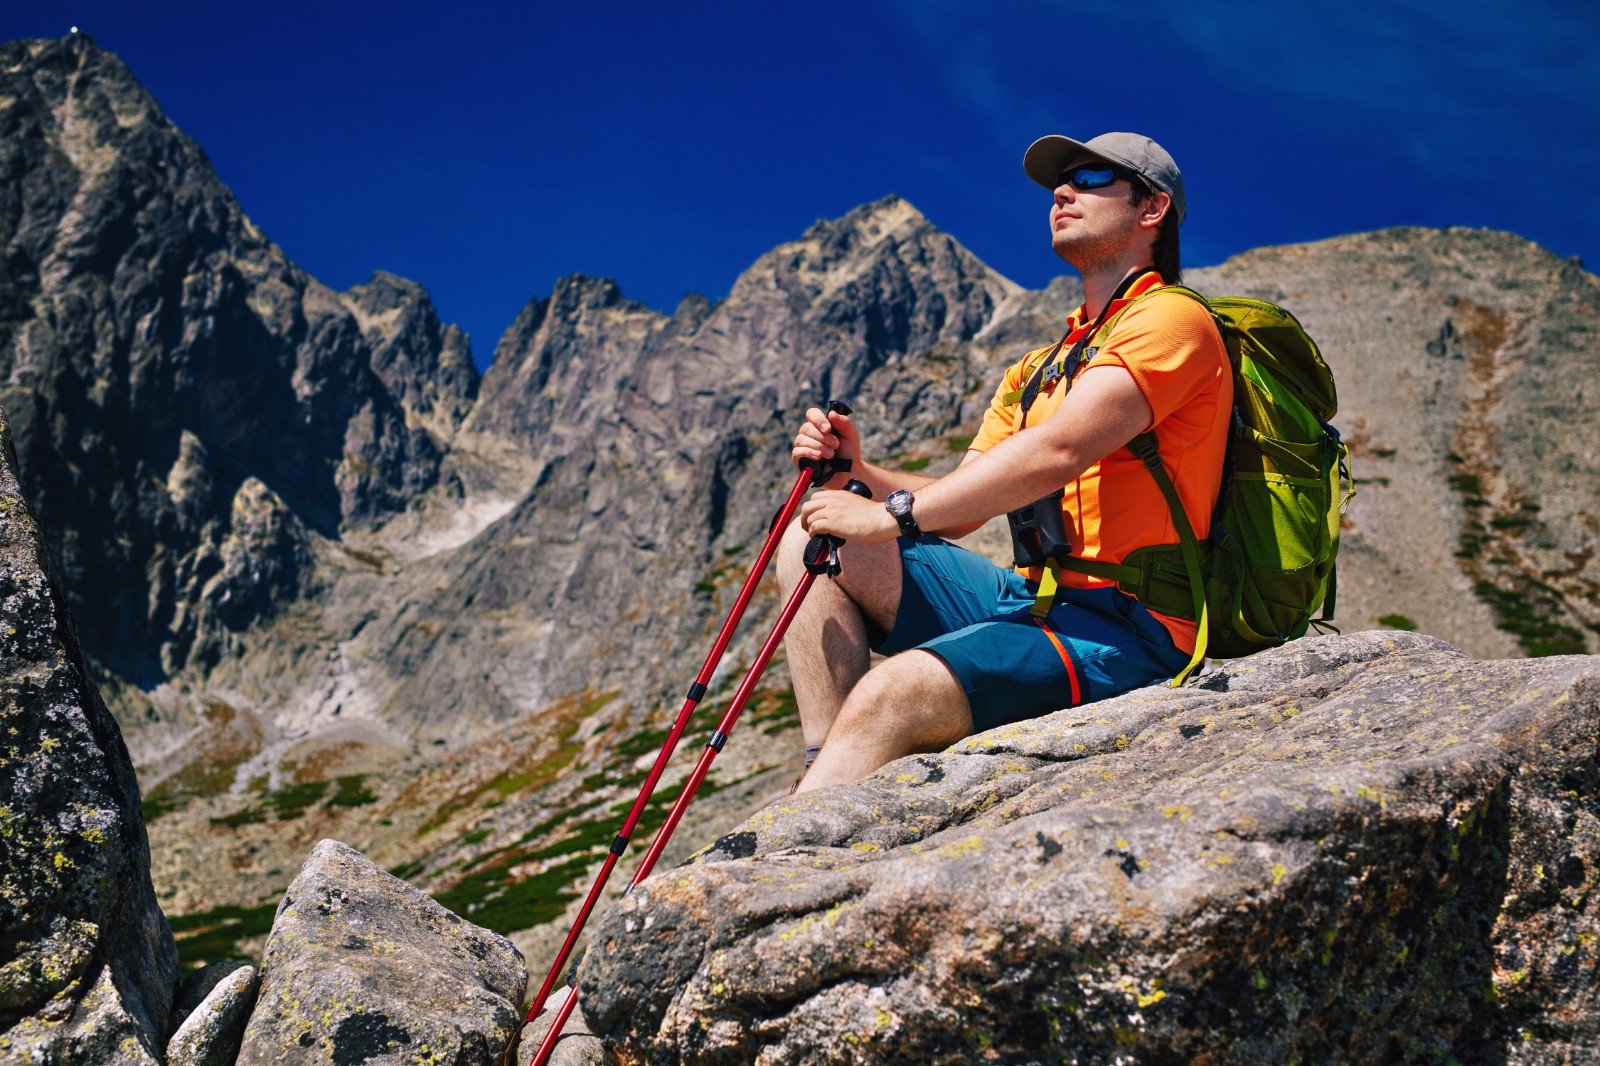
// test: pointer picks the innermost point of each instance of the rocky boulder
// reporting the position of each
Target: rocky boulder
(1348, 850)
(361, 966)
(213, 1005)
(87, 962)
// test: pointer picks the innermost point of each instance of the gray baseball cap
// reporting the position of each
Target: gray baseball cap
(1047, 157)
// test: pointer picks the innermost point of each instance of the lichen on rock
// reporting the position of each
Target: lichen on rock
(361, 967)
(1351, 849)
(87, 962)
(214, 1004)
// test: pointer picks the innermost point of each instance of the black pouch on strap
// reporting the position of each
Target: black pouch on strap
(1038, 533)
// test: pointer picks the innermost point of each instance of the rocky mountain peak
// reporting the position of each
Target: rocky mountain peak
(423, 362)
(557, 344)
(860, 230)
(147, 323)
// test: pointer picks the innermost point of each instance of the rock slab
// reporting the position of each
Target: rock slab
(1348, 850)
(211, 1029)
(576, 1046)
(87, 960)
(362, 968)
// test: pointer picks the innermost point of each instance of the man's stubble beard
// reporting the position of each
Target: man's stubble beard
(1086, 252)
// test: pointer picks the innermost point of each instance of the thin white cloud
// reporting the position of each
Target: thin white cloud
(965, 53)
(1451, 82)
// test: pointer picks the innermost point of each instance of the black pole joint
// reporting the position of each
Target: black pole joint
(822, 556)
(619, 845)
(697, 692)
(718, 739)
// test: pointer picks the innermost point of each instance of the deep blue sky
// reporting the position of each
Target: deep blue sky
(485, 150)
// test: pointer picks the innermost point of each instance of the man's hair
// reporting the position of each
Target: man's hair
(1167, 260)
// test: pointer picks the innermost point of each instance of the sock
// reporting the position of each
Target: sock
(811, 754)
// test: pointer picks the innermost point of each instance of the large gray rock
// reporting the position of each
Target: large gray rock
(87, 962)
(361, 967)
(1348, 850)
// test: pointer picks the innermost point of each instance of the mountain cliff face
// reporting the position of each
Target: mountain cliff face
(306, 544)
(189, 405)
(1466, 363)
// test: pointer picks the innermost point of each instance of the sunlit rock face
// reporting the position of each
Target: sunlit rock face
(1349, 850)
(362, 966)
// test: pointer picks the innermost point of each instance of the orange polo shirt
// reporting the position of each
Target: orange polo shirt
(1171, 347)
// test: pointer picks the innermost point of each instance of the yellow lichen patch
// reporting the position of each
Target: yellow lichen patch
(1509, 977)
(965, 846)
(1178, 810)
(884, 1018)
(863, 845)
(1123, 742)
(1279, 871)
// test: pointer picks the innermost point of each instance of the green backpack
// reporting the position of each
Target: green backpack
(1268, 563)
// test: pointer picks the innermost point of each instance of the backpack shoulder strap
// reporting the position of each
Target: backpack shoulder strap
(1016, 394)
(1105, 331)
(1148, 450)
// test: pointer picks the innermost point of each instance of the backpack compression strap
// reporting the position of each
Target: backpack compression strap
(1146, 447)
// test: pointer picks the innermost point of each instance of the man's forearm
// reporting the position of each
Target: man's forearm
(881, 480)
(1104, 412)
(1012, 474)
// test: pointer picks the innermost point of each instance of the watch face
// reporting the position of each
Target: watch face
(898, 502)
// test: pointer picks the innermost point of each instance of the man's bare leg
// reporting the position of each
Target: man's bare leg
(826, 645)
(907, 704)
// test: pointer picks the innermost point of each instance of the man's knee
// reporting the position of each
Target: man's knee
(791, 554)
(913, 695)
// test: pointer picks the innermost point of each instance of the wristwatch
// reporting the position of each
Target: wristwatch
(898, 504)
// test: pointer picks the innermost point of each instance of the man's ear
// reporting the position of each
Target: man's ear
(1154, 209)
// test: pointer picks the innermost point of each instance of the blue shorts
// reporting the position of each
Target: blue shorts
(977, 617)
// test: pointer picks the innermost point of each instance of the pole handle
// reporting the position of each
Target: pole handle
(824, 469)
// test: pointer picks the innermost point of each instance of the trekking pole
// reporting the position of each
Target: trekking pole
(814, 470)
(822, 557)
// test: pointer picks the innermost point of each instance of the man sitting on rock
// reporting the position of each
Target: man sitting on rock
(966, 651)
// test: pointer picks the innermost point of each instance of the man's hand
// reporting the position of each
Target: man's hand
(844, 514)
(827, 435)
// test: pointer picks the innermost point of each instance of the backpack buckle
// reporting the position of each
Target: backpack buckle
(1145, 447)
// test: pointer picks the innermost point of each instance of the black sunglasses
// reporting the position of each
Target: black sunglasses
(1095, 175)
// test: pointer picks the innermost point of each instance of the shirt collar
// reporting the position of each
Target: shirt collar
(1146, 281)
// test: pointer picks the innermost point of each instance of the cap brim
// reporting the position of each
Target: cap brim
(1047, 157)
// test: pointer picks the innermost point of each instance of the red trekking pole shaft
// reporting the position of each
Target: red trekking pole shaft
(821, 557)
(720, 737)
(697, 691)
